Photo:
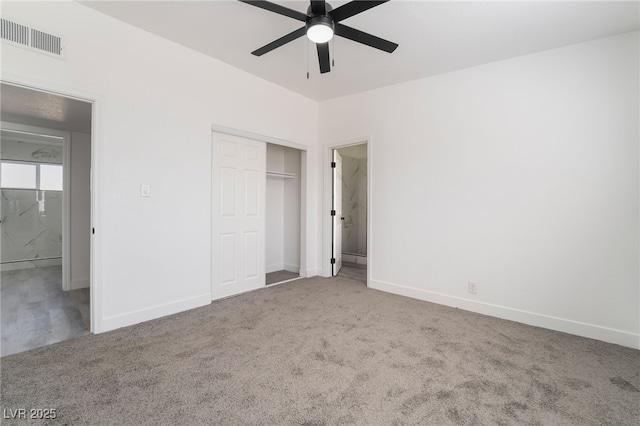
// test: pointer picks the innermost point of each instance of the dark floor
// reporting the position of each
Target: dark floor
(36, 312)
(354, 271)
(280, 276)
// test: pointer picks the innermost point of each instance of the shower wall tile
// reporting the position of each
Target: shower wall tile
(354, 205)
(30, 151)
(31, 226)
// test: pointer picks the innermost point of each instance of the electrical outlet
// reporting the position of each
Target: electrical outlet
(473, 287)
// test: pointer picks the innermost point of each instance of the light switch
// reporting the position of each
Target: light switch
(145, 190)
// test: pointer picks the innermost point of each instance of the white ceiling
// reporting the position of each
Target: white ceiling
(42, 109)
(434, 37)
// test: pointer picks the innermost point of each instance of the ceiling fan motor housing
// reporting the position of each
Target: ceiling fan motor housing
(327, 9)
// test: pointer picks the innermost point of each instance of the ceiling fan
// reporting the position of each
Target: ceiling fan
(321, 23)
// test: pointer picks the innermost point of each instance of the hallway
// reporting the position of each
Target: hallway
(36, 312)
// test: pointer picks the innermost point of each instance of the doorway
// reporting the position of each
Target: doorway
(349, 211)
(45, 167)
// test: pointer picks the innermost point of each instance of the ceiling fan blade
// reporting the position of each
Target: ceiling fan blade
(318, 7)
(279, 42)
(365, 38)
(323, 57)
(276, 8)
(353, 8)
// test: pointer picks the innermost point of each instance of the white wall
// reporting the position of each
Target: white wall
(80, 232)
(156, 102)
(291, 255)
(521, 175)
(274, 211)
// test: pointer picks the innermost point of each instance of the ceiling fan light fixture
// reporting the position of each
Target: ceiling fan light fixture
(320, 29)
(321, 23)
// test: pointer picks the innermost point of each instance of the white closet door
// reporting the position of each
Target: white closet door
(238, 215)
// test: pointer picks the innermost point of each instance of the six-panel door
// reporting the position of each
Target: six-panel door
(238, 225)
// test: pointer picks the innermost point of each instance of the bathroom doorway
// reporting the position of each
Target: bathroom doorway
(350, 200)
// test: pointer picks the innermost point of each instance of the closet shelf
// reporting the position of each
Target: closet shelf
(281, 175)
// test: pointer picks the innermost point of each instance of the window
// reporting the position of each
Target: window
(15, 175)
(50, 177)
(31, 176)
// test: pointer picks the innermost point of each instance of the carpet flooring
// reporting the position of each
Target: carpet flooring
(324, 351)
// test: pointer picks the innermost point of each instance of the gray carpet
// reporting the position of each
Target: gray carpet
(327, 351)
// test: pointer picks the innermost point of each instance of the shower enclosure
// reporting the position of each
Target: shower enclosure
(31, 204)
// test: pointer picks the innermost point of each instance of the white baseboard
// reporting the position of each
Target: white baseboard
(78, 284)
(282, 267)
(360, 260)
(17, 266)
(619, 337)
(273, 268)
(158, 311)
(292, 268)
(313, 272)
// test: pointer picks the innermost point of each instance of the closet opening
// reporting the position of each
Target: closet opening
(283, 208)
(258, 205)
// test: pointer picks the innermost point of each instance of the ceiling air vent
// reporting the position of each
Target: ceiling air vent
(32, 39)
(15, 32)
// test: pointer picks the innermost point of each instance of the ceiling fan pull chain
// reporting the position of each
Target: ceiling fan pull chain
(333, 52)
(307, 59)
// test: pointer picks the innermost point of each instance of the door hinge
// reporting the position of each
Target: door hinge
(333, 164)
(333, 212)
(93, 230)
(333, 260)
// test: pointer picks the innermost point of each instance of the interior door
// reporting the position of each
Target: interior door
(337, 213)
(238, 215)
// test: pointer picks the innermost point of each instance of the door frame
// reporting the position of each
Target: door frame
(96, 257)
(327, 222)
(304, 272)
(66, 188)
